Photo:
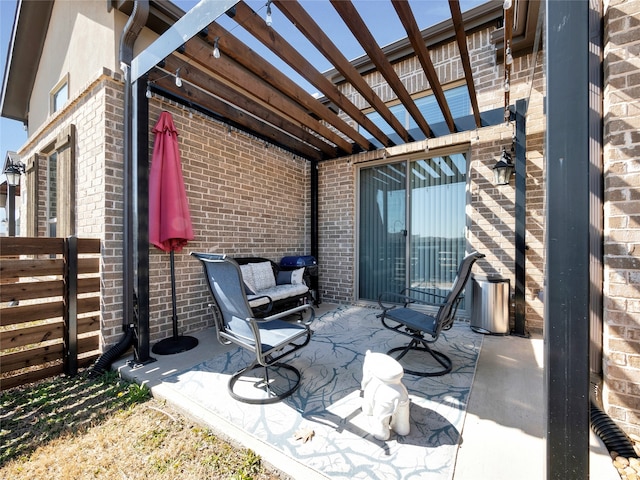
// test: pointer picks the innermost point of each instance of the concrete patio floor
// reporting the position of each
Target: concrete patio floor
(503, 433)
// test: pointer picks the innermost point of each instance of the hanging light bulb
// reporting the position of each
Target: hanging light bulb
(508, 59)
(216, 49)
(148, 94)
(507, 87)
(507, 4)
(268, 18)
(178, 79)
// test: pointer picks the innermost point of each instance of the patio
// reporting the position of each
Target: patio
(484, 420)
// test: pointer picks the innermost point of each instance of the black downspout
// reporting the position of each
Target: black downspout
(131, 308)
(314, 208)
(132, 29)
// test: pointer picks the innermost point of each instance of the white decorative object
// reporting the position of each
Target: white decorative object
(385, 400)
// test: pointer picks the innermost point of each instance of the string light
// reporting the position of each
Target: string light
(268, 18)
(507, 87)
(148, 94)
(178, 79)
(507, 4)
(216, 49)
(508, 57)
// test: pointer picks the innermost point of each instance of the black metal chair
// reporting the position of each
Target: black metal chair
(415, 324)
(270, 338)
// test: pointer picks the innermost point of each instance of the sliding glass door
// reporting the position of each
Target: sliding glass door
(411, 224)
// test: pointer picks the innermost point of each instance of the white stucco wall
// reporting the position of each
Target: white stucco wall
(78, 31)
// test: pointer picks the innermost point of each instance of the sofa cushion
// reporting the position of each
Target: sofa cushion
(286, 277)
(263, 277)
(279, 292)
(248, 279)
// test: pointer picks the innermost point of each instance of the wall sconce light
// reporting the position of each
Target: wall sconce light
(503, 169)
(12, 172)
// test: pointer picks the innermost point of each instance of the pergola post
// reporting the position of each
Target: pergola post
(566, 316)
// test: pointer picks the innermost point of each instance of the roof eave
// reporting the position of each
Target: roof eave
(23, 56)
(27, 41)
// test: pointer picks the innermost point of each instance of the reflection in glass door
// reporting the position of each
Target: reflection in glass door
(383, 231)
(412, 225)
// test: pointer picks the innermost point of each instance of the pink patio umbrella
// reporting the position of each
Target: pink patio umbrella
(169, 220)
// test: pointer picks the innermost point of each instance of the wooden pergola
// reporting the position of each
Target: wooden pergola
(248, 92)
(244, 90)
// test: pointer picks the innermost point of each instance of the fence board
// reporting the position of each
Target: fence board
(31, 356)
(31, 313)
(15, 246)
(21, 337)
(89, 324)
(32, 273)
(44, 289)
(88, 344)
(13, 269)
(30, 376)
(29, 290)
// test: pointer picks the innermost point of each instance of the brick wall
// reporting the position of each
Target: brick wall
(622, 214)
(96, 114)
(246, 198)
(491, 212)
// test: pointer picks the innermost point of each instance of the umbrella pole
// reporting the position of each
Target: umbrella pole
(173, 297)
(176, 343)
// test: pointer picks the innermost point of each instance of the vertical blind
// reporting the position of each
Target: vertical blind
(412, 219)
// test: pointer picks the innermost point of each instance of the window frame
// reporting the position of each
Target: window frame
(54, 105)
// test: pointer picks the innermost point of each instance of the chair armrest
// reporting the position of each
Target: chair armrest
(291, 311)
(423, 291)
(402, 299)
(262, 309)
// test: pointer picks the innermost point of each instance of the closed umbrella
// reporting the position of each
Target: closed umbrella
(169, 220)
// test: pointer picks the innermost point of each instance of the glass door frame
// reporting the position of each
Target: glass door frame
(464, 149)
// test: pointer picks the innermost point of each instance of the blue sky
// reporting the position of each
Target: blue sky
(378, 15)
(12, 133)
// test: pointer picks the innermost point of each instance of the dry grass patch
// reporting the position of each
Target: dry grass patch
(77, 428)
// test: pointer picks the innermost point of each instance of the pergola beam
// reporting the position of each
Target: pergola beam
(256, 64)
(461, 38)
(354, 21)
(403, 9)
(227, 80)
(196, 19)
(278, 45)
(314, 33)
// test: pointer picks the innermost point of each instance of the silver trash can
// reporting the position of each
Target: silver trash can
(490, 310)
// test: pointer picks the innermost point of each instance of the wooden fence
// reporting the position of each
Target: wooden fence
(49, 307)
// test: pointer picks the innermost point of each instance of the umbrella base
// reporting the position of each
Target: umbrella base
(172, 345)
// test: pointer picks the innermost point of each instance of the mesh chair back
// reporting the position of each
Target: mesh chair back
(447, 311)
(224, 280)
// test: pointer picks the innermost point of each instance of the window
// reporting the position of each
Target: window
(52, 194)
(51, 187)
(59, 95)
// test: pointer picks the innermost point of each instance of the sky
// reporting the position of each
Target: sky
(12, 133)
(379, 16)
